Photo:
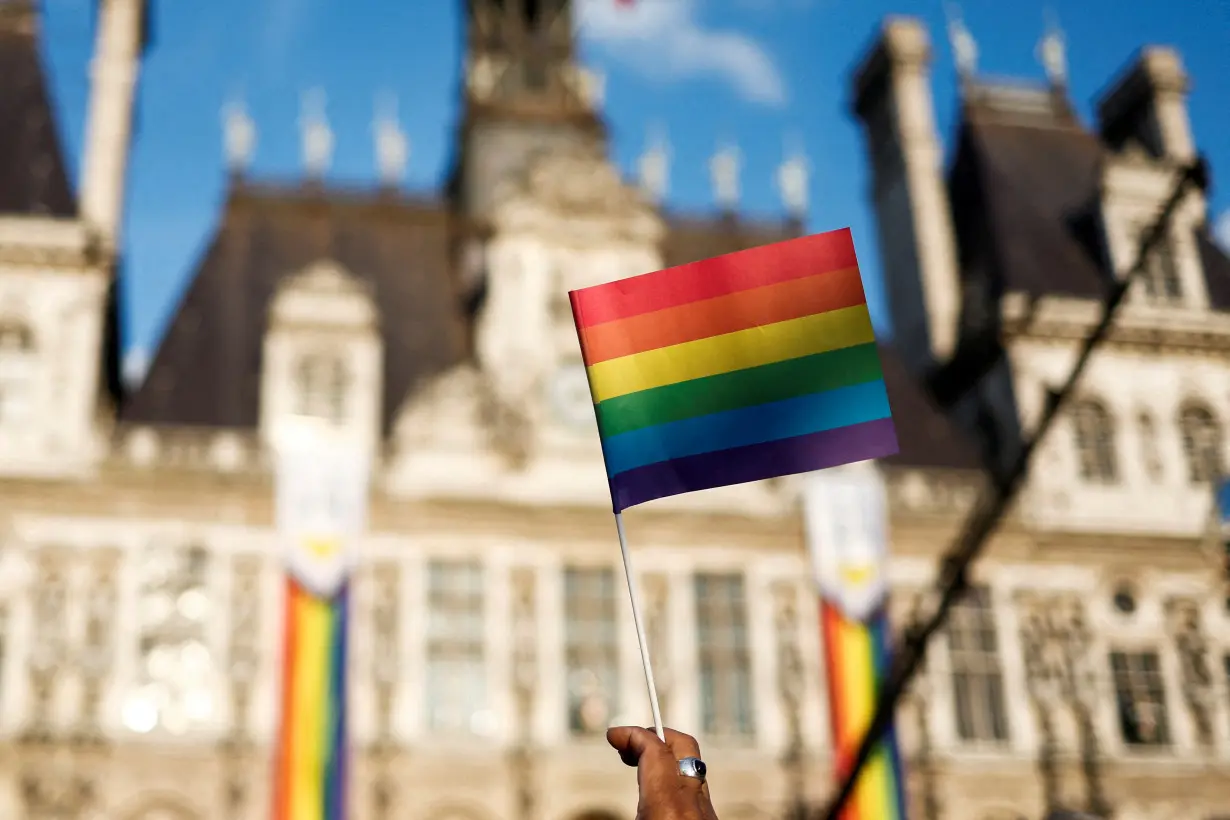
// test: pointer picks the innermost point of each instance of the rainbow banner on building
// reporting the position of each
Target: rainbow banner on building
(747, 366)
(311, 768)
(321, 506)
(846, 514)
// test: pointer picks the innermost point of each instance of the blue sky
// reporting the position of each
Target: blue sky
(752, 71)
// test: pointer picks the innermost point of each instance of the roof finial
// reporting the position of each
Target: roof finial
(238, 135)
(724, 171)
(964, 48)
(316, 135)
(392, 146)
(793, 177)
(654, 164)
(1052, 51)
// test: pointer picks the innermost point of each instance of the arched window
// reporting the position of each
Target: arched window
(17, 370)
(1095, 442)
(322, 382)
(1202, 443)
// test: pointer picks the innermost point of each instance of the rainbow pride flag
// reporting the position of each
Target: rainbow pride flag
(845, 512)
(856, 659)
(747, 366)
(310, 777)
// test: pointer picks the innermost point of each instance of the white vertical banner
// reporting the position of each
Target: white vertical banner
(321, 481)
(845, 514)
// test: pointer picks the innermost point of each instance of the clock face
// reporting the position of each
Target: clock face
(570, 399)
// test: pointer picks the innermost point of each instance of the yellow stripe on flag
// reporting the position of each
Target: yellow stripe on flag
(740, 350)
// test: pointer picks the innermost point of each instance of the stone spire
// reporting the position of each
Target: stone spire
(724, 170)
(793, 178)
(964, 47)
(238, 136)
(654, 164)
(119, 46)
(315, 133)
(1052, 52)
(392, 145)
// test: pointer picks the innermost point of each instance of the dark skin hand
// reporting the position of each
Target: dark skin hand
(665, 794)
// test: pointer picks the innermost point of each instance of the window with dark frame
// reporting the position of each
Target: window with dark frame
(1140, 698)
(977, 674)
(725, 657)
(591, 648)
(1094, 430)
(322, 382)
(1202, 443)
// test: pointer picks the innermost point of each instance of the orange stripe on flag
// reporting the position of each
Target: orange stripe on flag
(766, 305)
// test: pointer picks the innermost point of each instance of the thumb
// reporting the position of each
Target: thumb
(656, 766)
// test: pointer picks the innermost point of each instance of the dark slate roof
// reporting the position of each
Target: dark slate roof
(692, 238)
(207, 369)
(1027, 176)
(1216, 264)
(928, 438)
(33, 179)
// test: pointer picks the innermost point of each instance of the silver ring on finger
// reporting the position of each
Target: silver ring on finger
(693, 767)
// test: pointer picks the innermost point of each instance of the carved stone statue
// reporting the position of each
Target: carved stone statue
(97, 649)
(386, 656)
(1060, 674)
(50, 640)
(525, 680)
(790, 690)
(1196, 678)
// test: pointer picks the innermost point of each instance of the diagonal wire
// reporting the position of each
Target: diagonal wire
(952, 581)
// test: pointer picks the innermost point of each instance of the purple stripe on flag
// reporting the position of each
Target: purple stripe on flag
(798, 454)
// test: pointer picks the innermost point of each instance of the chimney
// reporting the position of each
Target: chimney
(1147, 105)
(118, 47)
(892, 99)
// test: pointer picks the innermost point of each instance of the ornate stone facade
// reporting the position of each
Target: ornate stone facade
(141, 592)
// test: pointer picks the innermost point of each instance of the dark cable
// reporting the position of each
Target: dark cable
(952, 581)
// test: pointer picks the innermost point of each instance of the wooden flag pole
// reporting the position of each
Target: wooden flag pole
(634, 599)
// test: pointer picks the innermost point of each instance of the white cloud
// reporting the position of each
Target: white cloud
(1221, 231)
(665, 38)
(134, 366)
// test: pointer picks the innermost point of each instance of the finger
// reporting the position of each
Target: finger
(682, 745)
(656, 765)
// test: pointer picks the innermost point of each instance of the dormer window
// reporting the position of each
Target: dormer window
(1202, 443)
(323, 354)
(322, 382)
(17, 370)
(1160, 276)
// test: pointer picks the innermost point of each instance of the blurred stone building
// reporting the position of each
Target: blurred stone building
(140, 584)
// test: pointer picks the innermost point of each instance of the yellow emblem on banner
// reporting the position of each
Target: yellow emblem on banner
(322, 548)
